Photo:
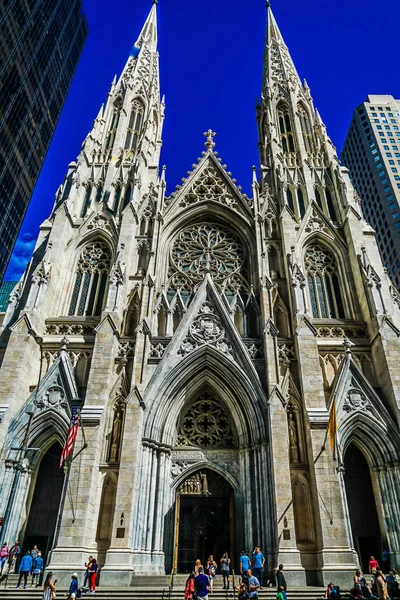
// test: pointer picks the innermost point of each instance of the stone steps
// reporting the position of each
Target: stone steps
(139, 593)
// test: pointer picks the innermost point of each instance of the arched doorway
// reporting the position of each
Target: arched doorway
(42, 520)
(204, 519)
(362, 506)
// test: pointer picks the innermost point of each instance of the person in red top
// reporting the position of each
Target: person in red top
(373, 565)
(190, 586)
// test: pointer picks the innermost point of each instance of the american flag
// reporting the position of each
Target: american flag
(71, 437)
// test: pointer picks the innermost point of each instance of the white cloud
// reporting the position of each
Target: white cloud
(22, 254)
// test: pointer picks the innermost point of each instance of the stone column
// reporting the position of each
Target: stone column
(285, 551)
(77, 537)
(118, 568)
(335, 556)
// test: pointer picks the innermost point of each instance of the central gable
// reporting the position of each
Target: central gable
(209, 182)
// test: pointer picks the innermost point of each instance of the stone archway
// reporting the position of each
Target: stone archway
(204, 522)
(45, 504)
(362, 506)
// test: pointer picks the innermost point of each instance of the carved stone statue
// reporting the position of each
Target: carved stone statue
(116, 436)
(293, 439)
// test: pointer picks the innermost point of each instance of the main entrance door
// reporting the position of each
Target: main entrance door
(204, 520)
(362, 507)
(45, 504)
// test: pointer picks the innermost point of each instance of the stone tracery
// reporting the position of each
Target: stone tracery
(205, 423)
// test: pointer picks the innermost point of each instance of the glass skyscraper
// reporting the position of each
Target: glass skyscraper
(40, 45)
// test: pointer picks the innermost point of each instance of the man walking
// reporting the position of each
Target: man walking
(202, 584)
(24, 569)
(253, 584)
(280, 579)
(244, 565)
(258, 564)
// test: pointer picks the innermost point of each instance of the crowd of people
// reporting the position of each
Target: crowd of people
(200, 582)
(31, 564)
(378, 586)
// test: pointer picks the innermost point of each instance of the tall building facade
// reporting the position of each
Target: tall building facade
(372, 154)
(41, 43)
(207, 338)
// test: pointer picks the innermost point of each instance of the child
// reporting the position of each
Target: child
(281, 595)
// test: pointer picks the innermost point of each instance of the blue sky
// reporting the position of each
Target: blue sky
(211, 66)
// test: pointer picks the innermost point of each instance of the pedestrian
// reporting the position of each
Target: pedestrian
(73, 588)
(3, 556)
(258, 561)
(24, 569)
(49, 588)
(373, 565)
(37, 568)
(211, 571)
(94, 567)
(34, 552)
(225, 568)
(87, 574)
(381, 585)
(280, 578)
(281, 595)
(13, 556)
(254, 584)
(244, 563)
(332, 592)
(243, 592)
(197, 566)
(202, 584)
(190, 586)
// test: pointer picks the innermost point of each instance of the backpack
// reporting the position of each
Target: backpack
(335, 593)
(79, 593)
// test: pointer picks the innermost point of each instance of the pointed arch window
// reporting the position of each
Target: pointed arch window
(86, 201)
(318, 198)
(300, 199)
(323, 283)
(306, 130)
(112, 132)
(91, 280)
(135, 125)
(331, 207)
(289, 196)
(285, 129)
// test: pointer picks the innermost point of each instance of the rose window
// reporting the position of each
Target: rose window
(205, 423)
(206, 248)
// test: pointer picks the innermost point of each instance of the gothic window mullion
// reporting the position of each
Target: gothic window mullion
(324, 290)
(91, 280)
(331, 296)
(75, 294)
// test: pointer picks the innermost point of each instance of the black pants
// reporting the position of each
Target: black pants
(23, 574)
(257, 572)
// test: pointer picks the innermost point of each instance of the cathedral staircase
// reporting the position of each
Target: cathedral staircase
(154, 588)
(157, 588)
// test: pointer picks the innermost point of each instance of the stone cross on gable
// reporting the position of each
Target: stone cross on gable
(210, 135)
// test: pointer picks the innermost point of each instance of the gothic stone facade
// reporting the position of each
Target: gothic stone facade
(206, 337)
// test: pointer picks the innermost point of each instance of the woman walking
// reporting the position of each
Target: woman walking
(190, 587)
(3, 556)
(49, 588)
(211, 571)
(225, 562)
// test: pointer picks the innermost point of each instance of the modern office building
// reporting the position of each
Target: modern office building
(40, 46)
(372, 155)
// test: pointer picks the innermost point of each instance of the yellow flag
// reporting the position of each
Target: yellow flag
(332, 427)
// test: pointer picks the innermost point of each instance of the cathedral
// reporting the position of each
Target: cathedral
(235, 361)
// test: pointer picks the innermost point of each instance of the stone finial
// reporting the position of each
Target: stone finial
(64, 343)
(210, 135)
(347, 345)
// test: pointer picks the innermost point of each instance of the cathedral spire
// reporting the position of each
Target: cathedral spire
(278, 64)
(148, 35)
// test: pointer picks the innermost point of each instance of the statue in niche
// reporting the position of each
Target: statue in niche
(116, 436)
(293, 438)
(204, 484)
